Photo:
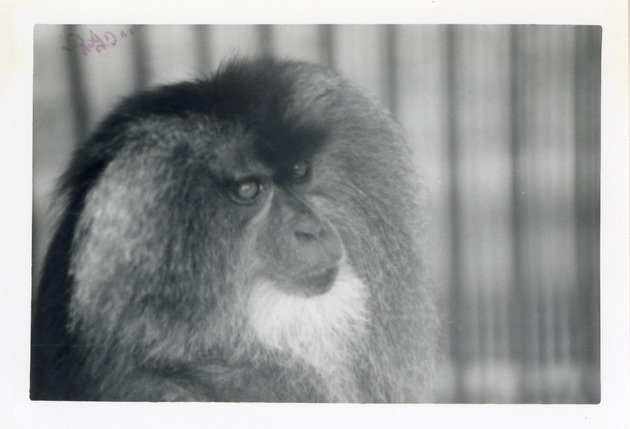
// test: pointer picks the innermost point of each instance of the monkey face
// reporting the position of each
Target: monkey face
(293, 246)
(299, 293)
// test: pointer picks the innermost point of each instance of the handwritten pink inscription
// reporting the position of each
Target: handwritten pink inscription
(96, 41)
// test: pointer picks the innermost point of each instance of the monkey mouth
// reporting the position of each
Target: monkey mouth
(316, 284)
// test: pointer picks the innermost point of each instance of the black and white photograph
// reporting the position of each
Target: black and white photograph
(354, 213)
(272, 214)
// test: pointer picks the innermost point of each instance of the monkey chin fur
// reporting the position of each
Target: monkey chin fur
(323, 331)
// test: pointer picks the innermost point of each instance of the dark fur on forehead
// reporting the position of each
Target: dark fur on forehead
(260, 95)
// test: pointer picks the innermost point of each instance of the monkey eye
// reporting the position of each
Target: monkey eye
(299, 171)
(246, 191)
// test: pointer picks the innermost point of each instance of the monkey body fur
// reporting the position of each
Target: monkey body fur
(251, 237)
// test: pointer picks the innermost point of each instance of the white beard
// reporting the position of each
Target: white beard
(322, 330)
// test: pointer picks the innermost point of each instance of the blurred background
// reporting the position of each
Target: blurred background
(505, 124)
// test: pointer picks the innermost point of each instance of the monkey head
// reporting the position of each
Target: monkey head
(265, 220)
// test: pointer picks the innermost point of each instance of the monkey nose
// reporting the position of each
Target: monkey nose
(308, 228)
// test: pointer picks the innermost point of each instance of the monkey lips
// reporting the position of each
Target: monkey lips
(311, 284)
